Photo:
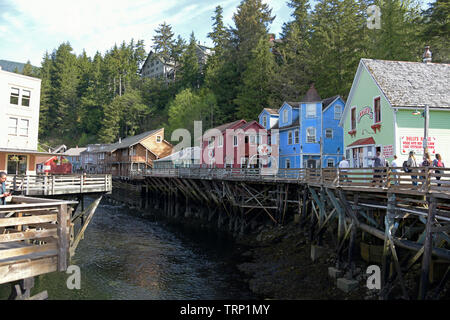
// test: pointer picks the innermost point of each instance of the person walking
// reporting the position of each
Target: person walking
(426, 163)
(394, 166)
(343, 165)
(438, 164)
(378, 161)
(412, 164)
(3, 193)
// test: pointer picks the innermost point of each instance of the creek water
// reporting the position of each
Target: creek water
(126, 256)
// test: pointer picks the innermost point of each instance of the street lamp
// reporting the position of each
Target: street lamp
(426, 115)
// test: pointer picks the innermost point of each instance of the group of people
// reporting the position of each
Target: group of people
(408, 166)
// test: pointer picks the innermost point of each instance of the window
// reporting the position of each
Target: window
(290, 137)
(12, 126)
(288, 163)
(264, 121)
(26, 98)
(353, 119)
(158, 139)
(311, 135)
(23, 129)
(296, 137)
(337, 112)
(377, 109)
(220, 142)
(311, 110)
(14, 98)
(285, 115)
(17, 164)
(252, 140)
(235, 141)
(330, 163)
(258, 139)
(329, 133)
(211, 142)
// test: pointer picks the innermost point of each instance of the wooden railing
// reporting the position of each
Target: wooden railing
(421, 179)
(34, 237)
(59, 184)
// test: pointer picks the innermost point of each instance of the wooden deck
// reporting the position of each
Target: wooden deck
(41, 185)
(34, 237)
(388, 180)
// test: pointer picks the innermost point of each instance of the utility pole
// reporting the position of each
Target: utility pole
(426, 115)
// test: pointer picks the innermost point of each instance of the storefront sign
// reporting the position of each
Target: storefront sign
(388, 151)
(415, 143)
(364, 111)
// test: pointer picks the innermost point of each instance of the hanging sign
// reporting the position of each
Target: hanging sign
(365, 111)
(388, 151)
(415, 143)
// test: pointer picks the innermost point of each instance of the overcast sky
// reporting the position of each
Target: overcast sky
(29, 28)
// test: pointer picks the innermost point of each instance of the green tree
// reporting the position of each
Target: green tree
(163, 42)
(436, 31)
(28, 69)
(190, 70)
(257, 79)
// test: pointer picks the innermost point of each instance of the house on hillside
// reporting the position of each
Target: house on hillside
(309, 132)
(384, 107)
(137, 153)
(235, 145)
(19, 109)
(74, 157)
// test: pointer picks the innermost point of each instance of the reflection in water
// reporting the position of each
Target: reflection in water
(124, 256)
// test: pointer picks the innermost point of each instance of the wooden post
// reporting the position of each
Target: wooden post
(63, 237)
(428, 246)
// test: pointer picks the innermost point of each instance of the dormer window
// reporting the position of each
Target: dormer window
(285, 115)
(264, 121)
(337, 112)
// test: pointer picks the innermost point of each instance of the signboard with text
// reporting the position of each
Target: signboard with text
(415, 143)
(388, 151)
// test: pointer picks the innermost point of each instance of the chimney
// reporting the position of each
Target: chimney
(427, 55)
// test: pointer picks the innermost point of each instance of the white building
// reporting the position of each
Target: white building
(19, 110)
(154, 67)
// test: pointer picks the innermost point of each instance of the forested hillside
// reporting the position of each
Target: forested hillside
(99, 99)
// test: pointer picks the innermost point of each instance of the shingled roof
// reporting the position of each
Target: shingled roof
(412, 84)
(311, 95)
(129, 141)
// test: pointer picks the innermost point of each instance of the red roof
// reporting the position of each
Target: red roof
(362, 142)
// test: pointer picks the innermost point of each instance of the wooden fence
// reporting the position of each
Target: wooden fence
(59, 184)
(34, 237)
(420, 180)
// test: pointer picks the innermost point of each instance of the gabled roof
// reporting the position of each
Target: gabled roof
(248, 124)
(130, 141)
(74, 152)
(150, 55)
(272, 111)
(229, 125)
(412, 84)
(362, 142)
(326, 102)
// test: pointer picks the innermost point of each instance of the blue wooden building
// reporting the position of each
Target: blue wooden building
(309, 131)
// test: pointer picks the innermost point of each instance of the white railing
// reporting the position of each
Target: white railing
(59, 184)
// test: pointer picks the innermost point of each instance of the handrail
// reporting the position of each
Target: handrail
(421, 179)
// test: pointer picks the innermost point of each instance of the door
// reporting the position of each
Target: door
(311, 163)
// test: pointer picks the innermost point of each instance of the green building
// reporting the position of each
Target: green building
(384, 111)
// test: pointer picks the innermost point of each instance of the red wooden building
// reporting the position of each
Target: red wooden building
(234, 145)
(54, 164)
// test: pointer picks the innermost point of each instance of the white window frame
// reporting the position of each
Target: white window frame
(285, 115)
(158, 139)
(264, 121)
(220, 142)
(309, 108)
(15, 95)
(356, 121)
(375, 112)
(24, 125)
(326, 133)
(235, 141)
(252, 139)
(25, 98)
(286, 162)
(13, 126)
(309, 135)
(337, 115)
(296, 136)
(290, 137)
(328, 163)
(211, 142)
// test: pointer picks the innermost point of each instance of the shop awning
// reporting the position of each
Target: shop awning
(362, 142)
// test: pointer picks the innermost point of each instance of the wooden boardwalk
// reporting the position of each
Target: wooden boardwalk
(406, 214)
(41, 185)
